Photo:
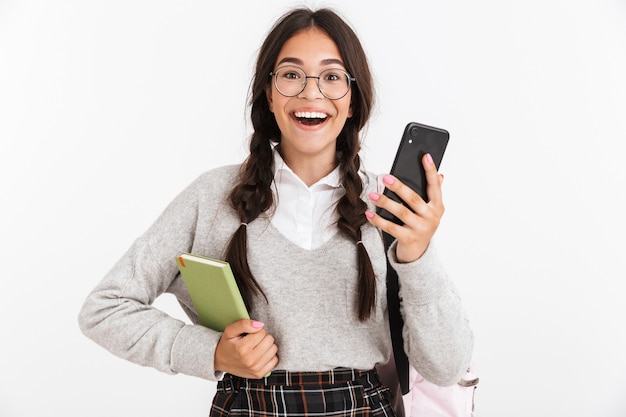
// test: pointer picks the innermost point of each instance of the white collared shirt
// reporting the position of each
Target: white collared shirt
(305, 215)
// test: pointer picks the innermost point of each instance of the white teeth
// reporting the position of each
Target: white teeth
(311, 114)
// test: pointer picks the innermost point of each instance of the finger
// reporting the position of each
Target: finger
(267, 351)
(242, 327)
(433, 181)
(406, 194)
(263, 369)
(262, 357)
(396, 209)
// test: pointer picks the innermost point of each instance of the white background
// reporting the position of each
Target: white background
(109, 108)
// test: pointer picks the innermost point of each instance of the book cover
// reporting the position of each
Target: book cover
(213, 290)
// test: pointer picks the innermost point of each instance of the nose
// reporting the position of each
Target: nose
(311, 89)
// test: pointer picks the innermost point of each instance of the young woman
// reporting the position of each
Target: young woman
(297, 223)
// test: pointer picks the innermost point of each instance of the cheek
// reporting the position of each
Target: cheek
(346, 108)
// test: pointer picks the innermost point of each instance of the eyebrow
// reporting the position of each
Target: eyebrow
(298, 61)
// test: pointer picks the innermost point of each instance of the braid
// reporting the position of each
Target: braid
(351, 217)
(250, 197)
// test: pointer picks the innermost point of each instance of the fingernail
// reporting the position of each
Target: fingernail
(373, 196)
(388, 179)
(369, 214)
(257, 324)
(429, 158)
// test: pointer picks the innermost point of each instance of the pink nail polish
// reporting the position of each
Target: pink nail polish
(257, 324)
(388, 179)
(429, 158)
(373, 196)
(369, 214)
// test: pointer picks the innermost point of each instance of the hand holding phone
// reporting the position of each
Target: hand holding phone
(417, 140)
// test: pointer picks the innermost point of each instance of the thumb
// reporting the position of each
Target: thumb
(242, 327)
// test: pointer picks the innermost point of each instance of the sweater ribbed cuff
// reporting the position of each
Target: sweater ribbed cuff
(193, 352)
(427, 280)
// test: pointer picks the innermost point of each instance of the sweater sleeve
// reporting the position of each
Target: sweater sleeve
(437, 337)
(118, 314)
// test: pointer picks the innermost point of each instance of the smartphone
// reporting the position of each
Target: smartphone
(417, 140)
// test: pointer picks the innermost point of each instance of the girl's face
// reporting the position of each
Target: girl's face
(309, 122)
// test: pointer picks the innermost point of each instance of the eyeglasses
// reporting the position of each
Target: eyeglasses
(333, 83)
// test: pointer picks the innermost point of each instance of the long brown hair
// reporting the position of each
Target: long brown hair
(252, 194)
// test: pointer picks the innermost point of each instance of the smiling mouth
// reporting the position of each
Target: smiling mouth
(310, 118)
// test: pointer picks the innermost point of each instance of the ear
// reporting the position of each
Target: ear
(268, 95)
(350, 110)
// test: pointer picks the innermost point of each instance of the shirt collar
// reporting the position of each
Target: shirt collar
(333, 179)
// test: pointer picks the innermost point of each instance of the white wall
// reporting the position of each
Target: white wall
(109, 108)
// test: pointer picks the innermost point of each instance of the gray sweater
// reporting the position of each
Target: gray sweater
(312, 296)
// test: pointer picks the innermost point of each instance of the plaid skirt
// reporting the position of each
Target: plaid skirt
(341, 392)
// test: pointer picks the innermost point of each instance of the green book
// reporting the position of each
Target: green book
(213, 290)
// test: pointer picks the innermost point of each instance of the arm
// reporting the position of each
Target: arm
(118, 314)
(437, 335)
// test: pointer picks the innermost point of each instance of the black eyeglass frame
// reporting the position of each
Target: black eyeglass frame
(274, 74)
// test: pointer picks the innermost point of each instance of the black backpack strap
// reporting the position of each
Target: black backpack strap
(396, 322)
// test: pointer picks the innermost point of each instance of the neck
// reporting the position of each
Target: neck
(311, 170)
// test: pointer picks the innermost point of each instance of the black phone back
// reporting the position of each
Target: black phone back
(417, 140)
